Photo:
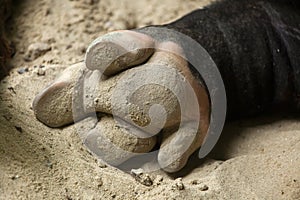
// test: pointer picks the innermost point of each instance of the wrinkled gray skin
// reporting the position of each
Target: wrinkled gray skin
(254, 80)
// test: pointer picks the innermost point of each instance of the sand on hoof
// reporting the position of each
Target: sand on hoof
(118, 50)
(115, 144)
(258, 158)
(154, 96)
(53, 105)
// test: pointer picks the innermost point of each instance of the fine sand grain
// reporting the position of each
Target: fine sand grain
(255, 159)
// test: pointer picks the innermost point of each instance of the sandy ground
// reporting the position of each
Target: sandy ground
(255, 159)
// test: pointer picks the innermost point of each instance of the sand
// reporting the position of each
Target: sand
(255, 159)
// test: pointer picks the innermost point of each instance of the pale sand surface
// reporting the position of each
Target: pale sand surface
(255, 159)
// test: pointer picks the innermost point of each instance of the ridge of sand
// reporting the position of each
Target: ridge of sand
(257, 159)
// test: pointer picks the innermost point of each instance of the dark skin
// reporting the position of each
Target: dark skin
(255, 45)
